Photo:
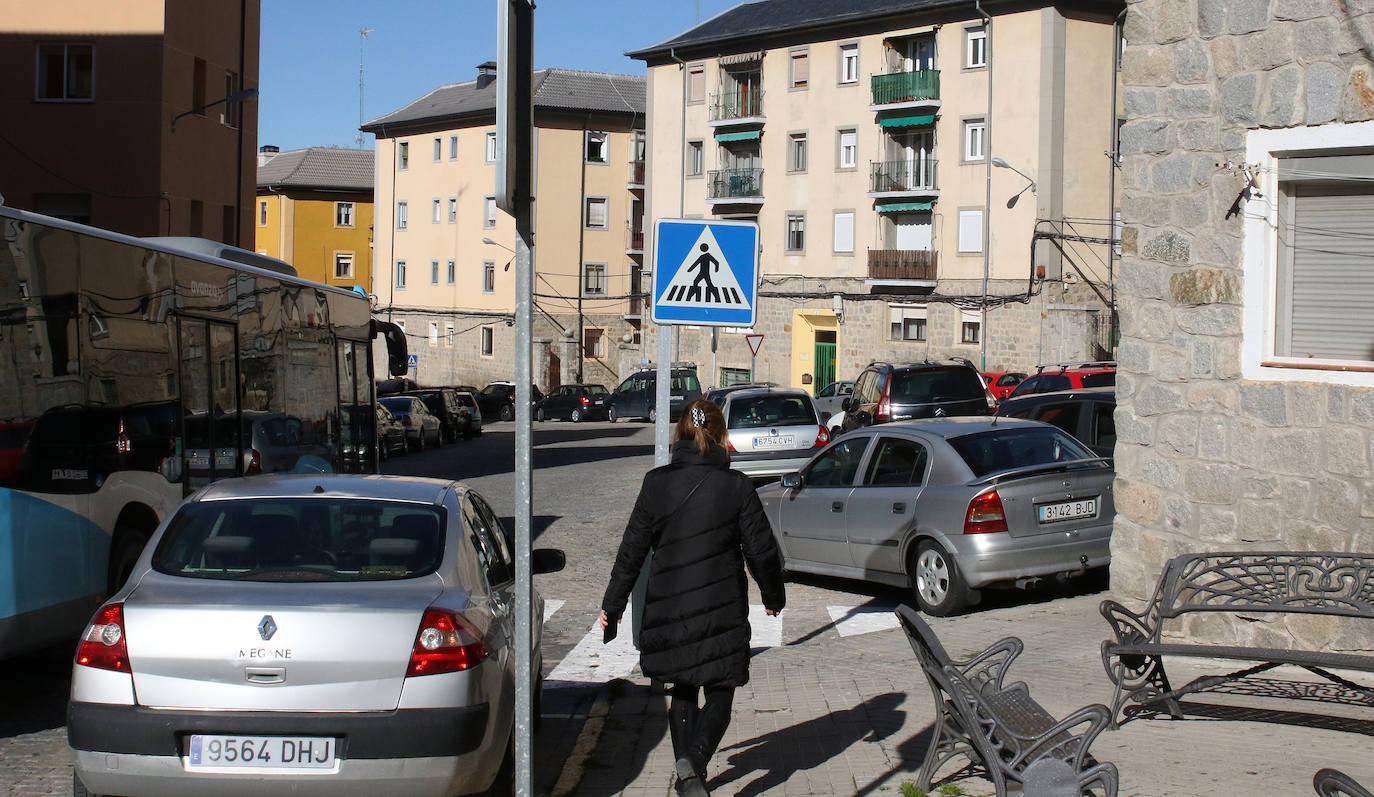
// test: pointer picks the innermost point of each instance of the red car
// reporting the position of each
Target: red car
(1068, 376)
(1001, 383)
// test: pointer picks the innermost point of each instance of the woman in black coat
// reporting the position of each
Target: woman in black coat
(703, 524)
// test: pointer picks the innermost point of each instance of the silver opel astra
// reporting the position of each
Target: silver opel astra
(308, 635)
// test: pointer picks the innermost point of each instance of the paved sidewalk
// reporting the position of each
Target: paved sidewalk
(832, 715)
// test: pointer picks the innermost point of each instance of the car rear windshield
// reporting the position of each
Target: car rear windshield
(302, 540)
(396, 404)
(929, 385)
(685, 382)
(751, 412)
(1007, 449)
(596, 390)
(1099, 380)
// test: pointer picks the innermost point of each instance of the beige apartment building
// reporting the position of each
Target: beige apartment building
(443, 252)
(928, 183)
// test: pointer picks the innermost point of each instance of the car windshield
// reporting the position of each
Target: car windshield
(750, 412)
(299, 540)
(597, 390)
(936, 384)
(1000, 450)
(396, 405)
(1106, 379)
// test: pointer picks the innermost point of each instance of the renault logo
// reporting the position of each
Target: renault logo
(266, 627)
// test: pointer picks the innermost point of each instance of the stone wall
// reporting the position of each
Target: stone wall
(1207, 460)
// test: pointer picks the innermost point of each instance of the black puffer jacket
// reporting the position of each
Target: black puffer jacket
(696, 614)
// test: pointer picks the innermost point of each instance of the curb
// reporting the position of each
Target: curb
(587, 741)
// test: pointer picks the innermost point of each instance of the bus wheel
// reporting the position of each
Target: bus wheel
(124, 550)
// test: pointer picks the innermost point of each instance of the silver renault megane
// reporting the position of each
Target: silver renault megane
(312, 634)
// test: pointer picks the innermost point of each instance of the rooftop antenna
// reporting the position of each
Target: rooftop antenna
(362, 37)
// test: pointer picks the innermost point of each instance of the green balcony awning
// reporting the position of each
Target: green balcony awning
(908, 121)
(748, 135)
(897, 207)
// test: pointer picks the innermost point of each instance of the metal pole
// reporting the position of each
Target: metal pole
(753, 375)
(987, 198)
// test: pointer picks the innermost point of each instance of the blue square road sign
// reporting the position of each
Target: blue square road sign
(705, 272)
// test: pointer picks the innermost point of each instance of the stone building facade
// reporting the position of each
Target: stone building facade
(1246, 393)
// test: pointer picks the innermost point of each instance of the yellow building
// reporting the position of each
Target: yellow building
(444, 251)
(314, 210)
(863, 140)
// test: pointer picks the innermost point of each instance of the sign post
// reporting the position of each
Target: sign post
(754, 341)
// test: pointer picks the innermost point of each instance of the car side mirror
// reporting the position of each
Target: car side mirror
(547, 560)
(792, 481)
(844, 405)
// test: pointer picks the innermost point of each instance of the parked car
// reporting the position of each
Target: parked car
(946, 507)
(74, 448)
(1001, 383)
(442, 403)
(422, 428)
(468, 398)
(575, 403)
(885, 392)
(387, 437)
(1053, 378)
(637, 396)
(830, 399)
(1088, 414)
(771, 431)
(716, 395)
(497, 400)
(227, 665)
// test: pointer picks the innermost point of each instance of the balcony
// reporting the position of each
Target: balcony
(902, 267)
(736, 108)
(637, 301)
(634, 242)
(735, 186)
(901, 90)
(636, 176)
(902, 179)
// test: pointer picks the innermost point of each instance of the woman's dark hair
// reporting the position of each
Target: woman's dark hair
(703, 424)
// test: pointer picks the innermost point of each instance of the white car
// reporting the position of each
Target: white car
(771, 430)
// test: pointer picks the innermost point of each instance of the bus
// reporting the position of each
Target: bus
(135, 371)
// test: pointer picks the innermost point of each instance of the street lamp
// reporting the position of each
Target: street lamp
(238, 97)
(1003, 164)
(490, 242)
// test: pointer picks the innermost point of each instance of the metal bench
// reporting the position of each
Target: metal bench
(1334, 783)
(999, 728)
(1325, 583)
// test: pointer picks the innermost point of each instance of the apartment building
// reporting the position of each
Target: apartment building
(928, 182)
(444, 252)
(135, 116)
(314, 210)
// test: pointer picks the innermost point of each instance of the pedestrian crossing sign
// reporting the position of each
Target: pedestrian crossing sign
(705, 272)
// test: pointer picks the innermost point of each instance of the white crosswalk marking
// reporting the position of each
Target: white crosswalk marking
(591, 662)
(855, 620)
(767, 631)
(550, 606)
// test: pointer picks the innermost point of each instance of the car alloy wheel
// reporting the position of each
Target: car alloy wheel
(653, 415)
(939, 588)
(611, 415)
(508, 412)
(576, 416)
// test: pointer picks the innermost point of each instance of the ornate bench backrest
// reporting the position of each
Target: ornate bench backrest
(1268, 581)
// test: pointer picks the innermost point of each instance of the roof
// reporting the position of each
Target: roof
(319, 167)
(759, 18)
(398, 488)
(553, 89)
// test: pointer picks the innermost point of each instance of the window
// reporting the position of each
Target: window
(262, 214)
(844, 231)
(488, 338)
(448, 335)
(796, 159)
(849, 63)
(975, 47)
(489, 212)
(403, 155)
(66, 72)
(453, 148)
(232, 111)
(969, 326)
(594, 217)
(402, 215)
(343, 214)
(438, 149)
(593, 279)
(434, 272)
(975, 135)
(594, 343)
(896, 462)
(400, 274)
(849, 149)
(801, 69)
(451, 271)
(453, 210)
(838, 466)
(598, 146)
(435, 211)
(434, 333)
(695, 159)
(907, 321)
(696, 83)
(343, 265)
(796, 232)
(970, 230)
(488, 276)
(491, 146)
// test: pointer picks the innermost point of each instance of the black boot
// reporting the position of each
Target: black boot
(691, 777)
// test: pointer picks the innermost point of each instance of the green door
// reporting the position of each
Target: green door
(825, 365)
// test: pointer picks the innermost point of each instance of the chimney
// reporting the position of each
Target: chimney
(486, 74)
(266, 153)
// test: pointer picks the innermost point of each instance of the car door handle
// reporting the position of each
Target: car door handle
(898, 508)
(837, 506)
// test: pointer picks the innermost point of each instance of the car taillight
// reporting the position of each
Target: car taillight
(446, 642)
(123, 444)
(992, 401)
(254, 462)
(985, 515)
(883, 413)
(103, 646)
(584, 400)
(822, 437)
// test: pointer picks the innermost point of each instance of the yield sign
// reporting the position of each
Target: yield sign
(754, 341)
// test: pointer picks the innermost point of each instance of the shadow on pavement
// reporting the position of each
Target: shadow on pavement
(639, 715)
(541, 524)
(34, 690)
(1050, 589)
